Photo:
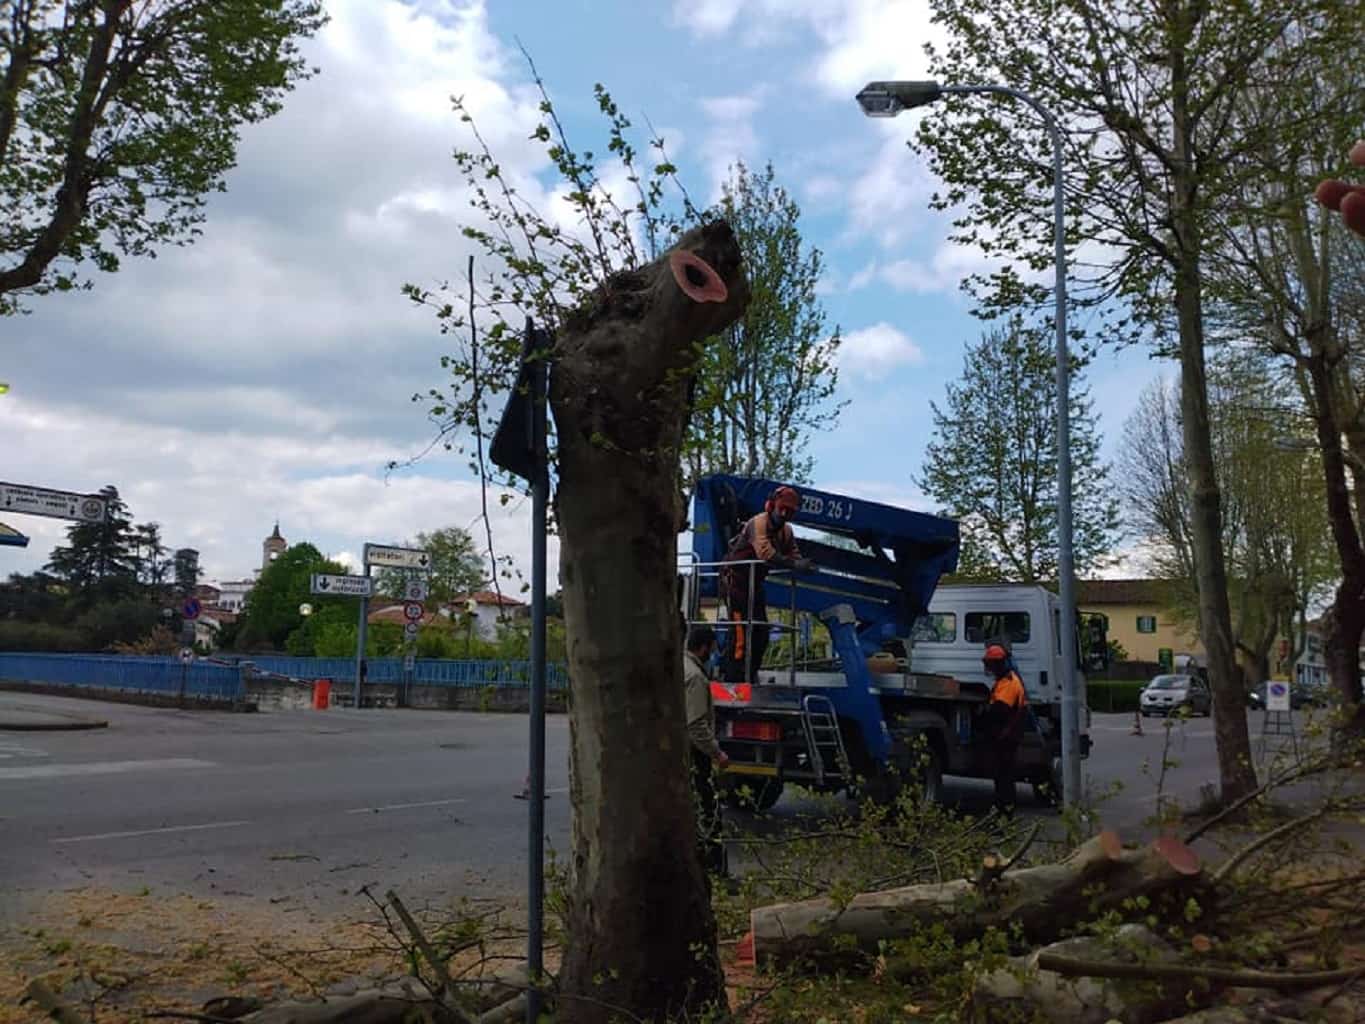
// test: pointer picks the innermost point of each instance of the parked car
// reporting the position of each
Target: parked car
(1167, 693)
(1310, 695)
(1256, 697)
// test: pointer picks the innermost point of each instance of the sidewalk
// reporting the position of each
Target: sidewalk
(17, 716)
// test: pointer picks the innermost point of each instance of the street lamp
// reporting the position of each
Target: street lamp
(1303, 444)
(887, 99)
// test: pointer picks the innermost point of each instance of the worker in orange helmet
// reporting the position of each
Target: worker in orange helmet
(767, 539)
(1003, 722)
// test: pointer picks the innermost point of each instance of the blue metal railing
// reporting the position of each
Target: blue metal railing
(426, 672)
(129, 673)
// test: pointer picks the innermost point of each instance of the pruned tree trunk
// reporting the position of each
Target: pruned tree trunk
(641, 935)
(1042, 901)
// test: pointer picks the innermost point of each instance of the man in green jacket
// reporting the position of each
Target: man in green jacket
(705, 748)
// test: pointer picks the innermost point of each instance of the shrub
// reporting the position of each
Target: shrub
(38, 636)
(1113, 695)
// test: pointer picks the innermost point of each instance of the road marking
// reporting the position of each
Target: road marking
(150, 831)
(403, 807)
(14, 750)
(52, 771)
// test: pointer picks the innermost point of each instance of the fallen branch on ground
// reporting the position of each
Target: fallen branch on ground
(1231, 977)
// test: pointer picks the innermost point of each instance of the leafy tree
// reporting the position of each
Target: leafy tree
(150, 553)
(457, 568)
(1274, 530)
(186, 570)
(992, 462)
(99, 560)
(272, 608)
(1287, 276)
(36, 597)
(1162, 109)
(117, 118)
(769, 379)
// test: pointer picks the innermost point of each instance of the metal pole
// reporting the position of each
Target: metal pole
(361, 629)
(540, 498)
(1066, 569)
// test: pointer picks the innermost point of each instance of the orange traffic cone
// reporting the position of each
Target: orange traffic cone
(744, 951)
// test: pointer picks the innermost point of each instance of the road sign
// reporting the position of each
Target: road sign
(415, 590)
(40, 501)
(409, 662)
(192, 608)
(1276, 695)
(186, 655)
(410, 630)
(413, 611)
(343, 586)
(397, 558)
(11, 537)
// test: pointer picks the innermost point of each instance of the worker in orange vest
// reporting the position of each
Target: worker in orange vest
(768, 539)
(1003, 722)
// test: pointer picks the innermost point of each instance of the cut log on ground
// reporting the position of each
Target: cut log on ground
(1043, 901)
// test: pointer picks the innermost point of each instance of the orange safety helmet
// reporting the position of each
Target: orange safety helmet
(995, 652)
(785, 498)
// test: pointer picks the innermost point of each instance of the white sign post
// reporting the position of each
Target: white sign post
(41, 501)
(1276, 695)
(342, 586)
(397, 558)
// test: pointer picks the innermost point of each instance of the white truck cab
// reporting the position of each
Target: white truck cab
(964, 617)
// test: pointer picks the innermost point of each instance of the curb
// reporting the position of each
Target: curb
(74, 725)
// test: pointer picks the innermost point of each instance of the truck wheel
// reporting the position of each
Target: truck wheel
(914, 767)
(1048, 791)
(757, 794)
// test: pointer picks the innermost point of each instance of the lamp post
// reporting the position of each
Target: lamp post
(887, 99)
(1303, 444)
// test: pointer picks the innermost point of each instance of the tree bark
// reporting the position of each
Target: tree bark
(1235, 770)
(641, 935)
(1042, 901)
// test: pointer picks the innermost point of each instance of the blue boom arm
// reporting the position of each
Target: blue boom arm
(888, 582)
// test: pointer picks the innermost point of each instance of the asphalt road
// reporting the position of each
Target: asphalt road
(303, 806)
(308, 806)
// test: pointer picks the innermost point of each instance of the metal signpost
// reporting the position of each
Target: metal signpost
(386, 556)
(341, 586)
(42, 501)
(520, 446)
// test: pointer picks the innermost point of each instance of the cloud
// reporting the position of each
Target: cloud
(874, 350)
(859, 40)
(222, 493)
(731, 137)
(268, 370)
(889, 201)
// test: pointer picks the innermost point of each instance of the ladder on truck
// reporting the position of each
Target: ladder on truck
(823, 738)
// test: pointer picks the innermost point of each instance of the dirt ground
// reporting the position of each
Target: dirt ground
(116, 955)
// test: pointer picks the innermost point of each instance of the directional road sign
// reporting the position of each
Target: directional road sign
(413, 611)
(410, 630)
(192, 608)
(344, 586)
(415, 590)
(397, 558)
(186, 655)
(409, 662)
(40, 501)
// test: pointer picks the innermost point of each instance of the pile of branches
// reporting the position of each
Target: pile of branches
(1249, 916)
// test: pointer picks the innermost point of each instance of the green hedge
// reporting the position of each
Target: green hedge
(1113, 695)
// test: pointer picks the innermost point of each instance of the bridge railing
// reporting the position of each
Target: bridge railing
(128, 673)
(224, 675)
